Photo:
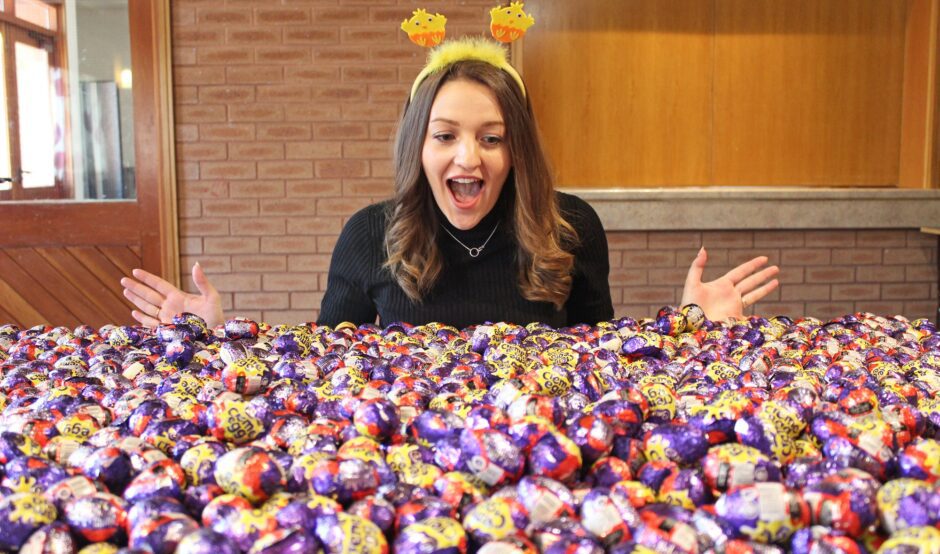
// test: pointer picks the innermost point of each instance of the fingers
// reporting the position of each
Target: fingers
(141, 291)
(750, 283)
(694, 277)
(144, 319)
(745, 269)
(760, 292)
(202, 282)
(154, 282)
(147, 307)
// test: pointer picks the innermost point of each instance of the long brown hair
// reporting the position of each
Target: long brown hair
(544, 238)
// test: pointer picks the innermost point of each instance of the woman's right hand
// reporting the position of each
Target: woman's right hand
(158, 301)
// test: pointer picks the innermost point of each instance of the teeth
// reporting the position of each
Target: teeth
(465, 189)
(465, 180)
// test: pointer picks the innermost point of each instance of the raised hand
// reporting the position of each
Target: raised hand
(158, 301)
(728, 295)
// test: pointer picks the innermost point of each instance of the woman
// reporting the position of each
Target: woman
(475, 231)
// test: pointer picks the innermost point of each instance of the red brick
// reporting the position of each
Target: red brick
(396, 54)
(204, 226)
(648, 258)
(635, 311)
(184, 56)
(284, 93)
(254, 74)
(316, 188)
(369, 74)
(614, 258)
(806, 256)
(256, 112)
(382, 168)
(881, 307)
(226, 94)
(856, 256)
(199, 75)
(383, 131)
(338, 169)
(251, 226)
(288, 281)
(739, 256)
(284, 131)
(650, 294)
(196, 36)
(311, 262)
(201, 151)
(728, 239)
(908, 256)
(829, 310)
(289, 317)
(222, 16)
(326, 244)
(230, 245)
(256, 151)
(224, 55)
(288, 245)
(907, 291)
(628, 276)
(227, 131)
(258, 189)
(878, 274)
(282, 16)
(791, 309)
(190, 245)
(832, 238)
(313, 225)
(189, 208)
(187, 171)
(671, 276)
(311, 35)
(621, 240)
(300, 300)
(616, 295)
(338, 16)
(259, 263)
(186, 133)
(881, 238)
(285, 170)
(339, 206)
(714, 257)
(671, 240)
(925, 309)
(252, 36)
(778, 239)
(283, 54)
(368, 187)
(313, 74)
(205, 189)
(199, 113)
(316, 150)
(830, 275)
(231, 208)
(287, 206)
(211, 264)
(340, 54)
(185, 95)
(374, 149)
(917, 273)
(338, 93)
(389, 93)
(227, 170)
(370, 112)
(917, 239)
(315, 112)
(856, 291)
(261, 300)
(368, 35)
(790, 275)
(181, 17)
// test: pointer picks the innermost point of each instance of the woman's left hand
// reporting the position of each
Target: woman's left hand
(728, 295)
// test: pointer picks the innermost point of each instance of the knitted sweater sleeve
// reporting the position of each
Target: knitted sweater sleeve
(589, 301)
(352, 267)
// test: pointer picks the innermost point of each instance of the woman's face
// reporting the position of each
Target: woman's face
(465, 155)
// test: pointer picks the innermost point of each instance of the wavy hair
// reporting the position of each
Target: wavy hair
(544, 238)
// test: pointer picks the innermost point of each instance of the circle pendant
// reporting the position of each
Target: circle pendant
(474, 252)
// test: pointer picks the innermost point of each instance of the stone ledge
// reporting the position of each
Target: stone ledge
(762, 208)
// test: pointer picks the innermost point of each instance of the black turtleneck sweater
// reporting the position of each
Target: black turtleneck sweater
(468, 290)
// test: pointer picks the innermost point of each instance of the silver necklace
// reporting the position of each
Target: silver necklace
(474, 252)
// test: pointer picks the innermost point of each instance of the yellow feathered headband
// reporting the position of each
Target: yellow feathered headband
(507, 24)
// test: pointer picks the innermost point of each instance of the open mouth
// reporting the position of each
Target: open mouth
(465, 190)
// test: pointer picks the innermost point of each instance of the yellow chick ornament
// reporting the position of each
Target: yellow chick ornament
(509, 23)
(425, 29)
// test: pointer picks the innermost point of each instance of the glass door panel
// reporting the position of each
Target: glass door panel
(37, 106)
(6, 168)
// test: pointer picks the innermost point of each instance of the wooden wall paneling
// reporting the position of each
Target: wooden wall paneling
(36, 293)
(59, 287)
(19, 311)
(122, 257)
(808, 92)
(623, 90)
(919, 109)
(97, 263)
(105, 295)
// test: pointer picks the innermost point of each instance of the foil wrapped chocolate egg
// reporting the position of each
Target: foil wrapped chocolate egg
(438, 535)
(764, 512)
(21, 514)
(495, 519)
(249, 472)
(97, 517)
(162, 533)
(206, 541)
(491, 456)
(348, 533)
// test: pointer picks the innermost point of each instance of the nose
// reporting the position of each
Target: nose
(468, 154)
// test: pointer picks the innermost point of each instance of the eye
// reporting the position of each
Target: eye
(443, 137)
(492, 140)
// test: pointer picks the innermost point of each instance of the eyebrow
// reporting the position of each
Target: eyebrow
(456, 124)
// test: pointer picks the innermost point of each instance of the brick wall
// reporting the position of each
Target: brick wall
(285, 111)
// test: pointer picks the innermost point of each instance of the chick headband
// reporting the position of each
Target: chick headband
(507, 23)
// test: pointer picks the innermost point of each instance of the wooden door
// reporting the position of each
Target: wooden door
(61, 261)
